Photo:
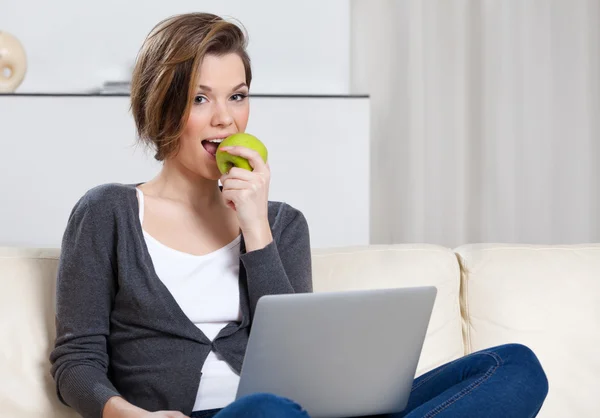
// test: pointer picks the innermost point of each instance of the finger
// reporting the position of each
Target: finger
(229, 196)
(240, 174)
(229, 203)
(253, 157)
(237, 196)
(258, 179)
(235, 184)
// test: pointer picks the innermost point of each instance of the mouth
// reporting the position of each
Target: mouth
(211, 145)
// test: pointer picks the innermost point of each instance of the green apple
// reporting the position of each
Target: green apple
(225, 160)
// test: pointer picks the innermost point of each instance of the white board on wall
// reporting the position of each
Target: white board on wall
(55, 148)
(73, 46)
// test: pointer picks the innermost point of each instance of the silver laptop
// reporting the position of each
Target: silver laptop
(338, 354)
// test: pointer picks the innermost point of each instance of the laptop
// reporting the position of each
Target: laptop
(338, 354)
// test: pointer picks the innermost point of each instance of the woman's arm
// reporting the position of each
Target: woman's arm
(274, 265)
(284, 265)
(84, 296)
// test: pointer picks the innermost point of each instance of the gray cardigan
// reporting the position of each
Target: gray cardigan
(119, 329)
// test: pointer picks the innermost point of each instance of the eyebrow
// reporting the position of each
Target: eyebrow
(235, 88)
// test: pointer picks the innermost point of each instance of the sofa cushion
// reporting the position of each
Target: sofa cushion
(391, 266)
(548, 298)
(28, 279)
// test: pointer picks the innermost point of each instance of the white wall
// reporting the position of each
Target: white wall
(56, 148)
(74, 46)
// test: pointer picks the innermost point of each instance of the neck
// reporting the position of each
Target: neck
(178, 183)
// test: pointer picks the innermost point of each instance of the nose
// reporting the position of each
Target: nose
(221, 115)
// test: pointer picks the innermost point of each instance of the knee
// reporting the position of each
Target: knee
(267, 405)
(527, 366)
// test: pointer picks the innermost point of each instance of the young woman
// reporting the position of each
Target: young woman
(158, 281)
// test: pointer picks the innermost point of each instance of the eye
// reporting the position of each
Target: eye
(238, 97)
(199, 99)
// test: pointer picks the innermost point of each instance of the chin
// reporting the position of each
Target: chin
(216, 175)
(202, 167)
(208, 172)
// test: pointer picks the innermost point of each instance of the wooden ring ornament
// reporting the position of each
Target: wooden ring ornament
(13, 63)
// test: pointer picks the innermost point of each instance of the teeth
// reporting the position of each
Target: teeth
(216, 141)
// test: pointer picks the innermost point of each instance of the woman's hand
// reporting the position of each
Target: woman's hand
(247, 192)
(117, 407)
(165, 414)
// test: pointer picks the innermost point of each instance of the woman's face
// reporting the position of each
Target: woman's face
(220, 108)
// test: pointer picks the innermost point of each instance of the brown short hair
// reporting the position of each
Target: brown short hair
(163, 80)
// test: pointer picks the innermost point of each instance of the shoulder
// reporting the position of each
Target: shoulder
(107, 196)
(97, 212)
(104, 202)
(283, 216)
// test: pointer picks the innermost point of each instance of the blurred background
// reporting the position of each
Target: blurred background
(76, 46)
(388, 121)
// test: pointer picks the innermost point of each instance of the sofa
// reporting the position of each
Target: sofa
(546, 297)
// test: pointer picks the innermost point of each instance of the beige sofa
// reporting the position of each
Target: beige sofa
(547, 297)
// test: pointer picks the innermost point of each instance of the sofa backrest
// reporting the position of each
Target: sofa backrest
(27, 310)
(28, 278)
(391, 266)
(548, 298)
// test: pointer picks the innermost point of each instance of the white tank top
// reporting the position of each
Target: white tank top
(206, 288)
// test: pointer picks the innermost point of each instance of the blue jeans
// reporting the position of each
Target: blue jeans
(504, 381)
